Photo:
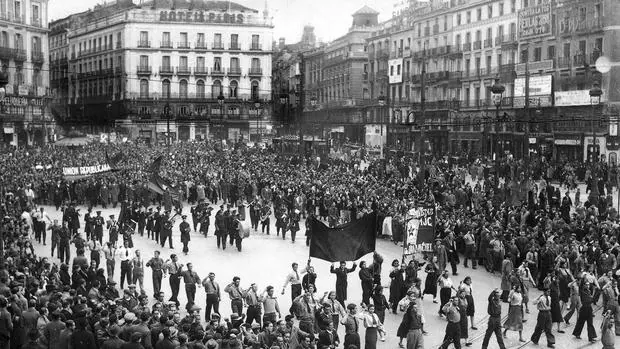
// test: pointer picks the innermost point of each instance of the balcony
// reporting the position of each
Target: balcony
(427, 31)
(184, 45)
(6, 53)
(18, 19)
(217, 46)
(166, 70)
(234, 71)
(144, 70)
(144, 44)
(255, 72)
(467, 47)
(202, 70)
(234, 47)
(580, 60)
(201, 45)
(165, 44)
(37, 57)
(183, 71)
(19, 54)
(217, 72)
(488, 43)
(477, 45)
(563, 62)
(435, 29)
(119, 44)
(256, 47)
(510, 39)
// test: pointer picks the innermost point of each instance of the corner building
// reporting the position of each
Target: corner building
(171, 69)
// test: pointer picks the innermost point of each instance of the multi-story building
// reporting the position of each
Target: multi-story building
(24, 115)
(336, 89)
(172, 69)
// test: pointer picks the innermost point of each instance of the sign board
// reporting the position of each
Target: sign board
(538, 86)
(22, 90)
(535, 21)
(521, 68)
(573, 98)
(395, 72)
(14, 101)
(535, 101)
(567, 142)
(420, 229)
(201, 17)
(85, 170)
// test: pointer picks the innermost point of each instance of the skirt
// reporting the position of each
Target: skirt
(464, 327)
(444, 296)
(371, 338)
(430, 284)
(402, 330)
(514, 322)
(471, 308)
(556, 312)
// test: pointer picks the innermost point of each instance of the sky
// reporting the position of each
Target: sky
(331, 18)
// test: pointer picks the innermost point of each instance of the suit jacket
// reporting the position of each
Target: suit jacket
(328, 339)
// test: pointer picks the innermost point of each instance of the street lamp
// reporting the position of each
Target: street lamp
(167, 115)
(382, 103)
(259, 112)
(498, 93)
(595, 99)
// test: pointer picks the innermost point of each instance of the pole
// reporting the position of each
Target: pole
(422, 160)
(593, 133)
(526, 145)
(497, 125)
(167, 111)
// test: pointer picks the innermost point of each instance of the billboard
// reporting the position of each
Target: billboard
(395, 73)
(539, 86)
(535, 21)
(573, 98)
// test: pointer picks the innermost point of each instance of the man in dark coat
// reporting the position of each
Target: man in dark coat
(341, 280)
(185, 230)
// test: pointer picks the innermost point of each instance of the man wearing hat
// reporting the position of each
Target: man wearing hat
(149, 222)
(98, 227)
(185, 229)
(112, 227)
(166, 229)
(220, 227)
(113, 341)
(157, 223)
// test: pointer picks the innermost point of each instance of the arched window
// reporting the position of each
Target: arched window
(200, 89)
(165, 89)
(232, 93)
(183, 88)
(255, 94)
(216, 89)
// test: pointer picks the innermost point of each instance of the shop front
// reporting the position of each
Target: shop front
(567, 148)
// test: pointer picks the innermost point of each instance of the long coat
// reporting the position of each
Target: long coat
(341, 281)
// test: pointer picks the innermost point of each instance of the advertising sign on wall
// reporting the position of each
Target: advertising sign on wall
(539, 86)
(535, 21)
(573, 98)
(395, 72)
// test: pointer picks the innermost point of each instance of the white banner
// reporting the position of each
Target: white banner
(86, 170)
(572, 98)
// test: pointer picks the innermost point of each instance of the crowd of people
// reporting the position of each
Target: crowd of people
(521, 228)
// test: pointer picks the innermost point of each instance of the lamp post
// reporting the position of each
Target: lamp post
(595, 99)
(382, 103)
(220, 102)
(108, 107)
(313, 104)
(498, 92)
(167, 115)
(259, 115)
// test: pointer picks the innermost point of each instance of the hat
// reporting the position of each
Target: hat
(111, 216)
(215, 316)
(114, 330)
(255, 326)
(326, 304)
(184, 217)
(234, 316)
(194, 308)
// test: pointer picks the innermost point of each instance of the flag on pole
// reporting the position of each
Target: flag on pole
(347, 242)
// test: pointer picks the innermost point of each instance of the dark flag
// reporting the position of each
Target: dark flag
(347, 242)
(160, 185)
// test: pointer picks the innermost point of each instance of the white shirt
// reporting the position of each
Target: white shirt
(125, 253)
(371, 320)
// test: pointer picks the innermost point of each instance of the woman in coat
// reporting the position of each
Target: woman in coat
(397, 284)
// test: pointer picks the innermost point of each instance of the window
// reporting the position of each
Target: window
(232, 89)
(255, 64)
(144, 61)
(551, 52)
(165, 39)
(255, 42)
(458, 19)
(36, 19)
(566, 49)
(200, 89)
(118, 40)
(501, 8)
(217, 41)
(144, 39)
(468, 16)
(18, 10)
(201, 40)
(234, 41)
(18, 42)
(183, 40)
(183, 88)
(200, 62)
(524, 56)
(165, 61)
(234, 63)
(216, 89)
(165, 88)
(144, 88)
(217, 64)
(183, 62)
(254, 90)
(479, 14)
(537, 54)
(445, 23)
(36, 44)
(490, 11)
(513, 6)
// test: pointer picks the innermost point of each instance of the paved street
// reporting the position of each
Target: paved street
(266, 260)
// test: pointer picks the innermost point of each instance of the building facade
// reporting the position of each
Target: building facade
(336, 83)
(168, 70)
(24, 112)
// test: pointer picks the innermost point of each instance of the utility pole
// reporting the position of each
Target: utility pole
(526, 146)
(422, 150)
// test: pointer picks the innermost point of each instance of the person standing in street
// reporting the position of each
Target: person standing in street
(295, 281)
(125, 254)
(585, 312)
(270, 306)
(453, 329)
(341, 280)
(543, 323)
(173, 268)
(494, 324)
(157, 265)
(236, 295)
(351, 327)
(212, 288)
(191, 279)
(55, 237)
(253, 301)
(166, 230)
(6, 325)
(64, 248)
(109, 252)
(185, 229)
(138, 271)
